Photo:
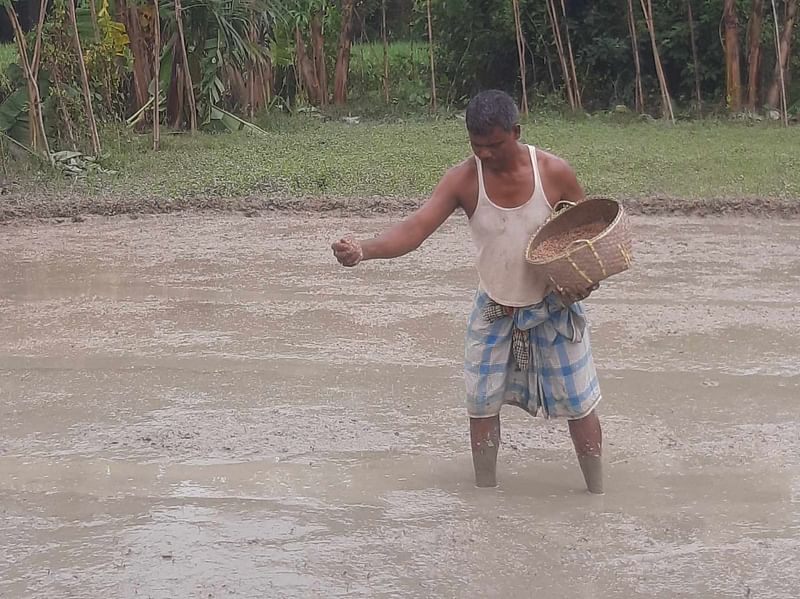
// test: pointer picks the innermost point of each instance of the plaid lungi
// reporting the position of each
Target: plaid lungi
(552, 369)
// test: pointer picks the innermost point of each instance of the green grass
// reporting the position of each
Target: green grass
(303, 155)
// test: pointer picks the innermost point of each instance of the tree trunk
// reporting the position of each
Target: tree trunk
(638, 90)
(156, 76)
(343, 54)
(187, 75)
(307, 71)
(430, 52)
(666, 101)
(695, 61)
(783, 51)
(385, 39)
(733, 75)
(36, 122)
(551, 10)
(87, 93)
(754, 52)
(142, 67)
(318, 47)
(521, 56)
(575, 86)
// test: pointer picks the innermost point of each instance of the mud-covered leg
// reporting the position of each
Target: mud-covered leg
(485, 436)
(588, 440)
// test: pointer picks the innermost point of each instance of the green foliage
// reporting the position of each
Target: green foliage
(14, 110)
(409, 71)
(8, 56)
(477, 48)
(220, 48)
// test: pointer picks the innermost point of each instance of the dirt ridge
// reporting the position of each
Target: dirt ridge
(73, 205)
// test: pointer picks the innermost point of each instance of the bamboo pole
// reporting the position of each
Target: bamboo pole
(95, 27)
(156, 76)
(637, 63)
(576, 87)
(87, 93)
(34, 99)
(784, 106)
(430, 52)
(385, 52)
(666, 102)
(551, 10)
(695, 61)
(37, 46)
(521, 55)
(187, 75)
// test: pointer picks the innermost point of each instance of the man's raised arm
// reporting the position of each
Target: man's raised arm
(408, 234)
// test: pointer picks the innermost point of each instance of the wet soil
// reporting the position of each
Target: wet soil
(198, 405)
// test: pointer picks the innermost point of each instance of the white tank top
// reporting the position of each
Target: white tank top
(501, 237)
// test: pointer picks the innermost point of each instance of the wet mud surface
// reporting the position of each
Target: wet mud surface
(77, 205)
(208, 406)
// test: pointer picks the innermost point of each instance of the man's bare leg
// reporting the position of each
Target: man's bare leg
(588, 440)
(485, 436)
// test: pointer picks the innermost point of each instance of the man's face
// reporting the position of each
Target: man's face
(495, 149)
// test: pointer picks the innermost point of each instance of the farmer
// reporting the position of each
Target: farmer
(526, 344)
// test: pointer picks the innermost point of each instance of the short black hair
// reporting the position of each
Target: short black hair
(491, 109)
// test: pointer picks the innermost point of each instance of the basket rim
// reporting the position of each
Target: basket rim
(570, 252)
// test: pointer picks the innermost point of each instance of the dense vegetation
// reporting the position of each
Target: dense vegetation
(216, 65)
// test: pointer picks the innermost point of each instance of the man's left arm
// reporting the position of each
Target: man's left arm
(570, 188)
(571, 191)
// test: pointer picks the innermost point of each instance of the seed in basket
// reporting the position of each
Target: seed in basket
(552, 247)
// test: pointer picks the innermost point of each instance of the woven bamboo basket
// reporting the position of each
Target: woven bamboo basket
(584, 262)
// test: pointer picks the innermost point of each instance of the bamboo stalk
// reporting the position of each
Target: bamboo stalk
(521, 55)
(666, 102)
(385, 52)
(37, 46)
(87, 94)
(638, 90)
(430, 51)
(695, 61)
(551, 10)
(34, 99)
(95, 27)
(784, 106)
(576, 87)
(187, 75)
(156, 76)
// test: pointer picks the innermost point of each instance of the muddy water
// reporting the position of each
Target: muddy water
(195, 406)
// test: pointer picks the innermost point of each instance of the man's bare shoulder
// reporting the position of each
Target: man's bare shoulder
(552, 165)
(460, 180)
(558, 178)
(461, 173)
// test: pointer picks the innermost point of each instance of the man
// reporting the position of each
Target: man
(526, 344)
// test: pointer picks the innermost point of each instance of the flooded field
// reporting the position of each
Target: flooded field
(209, 406)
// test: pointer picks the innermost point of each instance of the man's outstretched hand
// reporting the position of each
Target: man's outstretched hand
(348, 251)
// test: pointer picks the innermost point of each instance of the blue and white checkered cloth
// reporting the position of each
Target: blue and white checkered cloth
(538, 357)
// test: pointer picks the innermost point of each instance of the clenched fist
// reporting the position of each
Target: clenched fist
(348, 251)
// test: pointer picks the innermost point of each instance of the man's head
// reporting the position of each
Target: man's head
(493, 127)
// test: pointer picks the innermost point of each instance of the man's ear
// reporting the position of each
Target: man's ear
(517, 131)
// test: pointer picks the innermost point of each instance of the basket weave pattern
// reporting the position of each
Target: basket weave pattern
(588, 261)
